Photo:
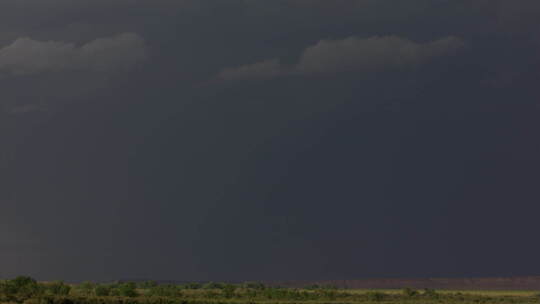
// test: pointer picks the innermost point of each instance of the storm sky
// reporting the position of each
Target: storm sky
(269, 139)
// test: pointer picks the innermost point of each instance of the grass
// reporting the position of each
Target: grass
(25, 290)
(488, 293)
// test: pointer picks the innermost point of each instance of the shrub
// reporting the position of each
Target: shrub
(86, 288)
(23, 281)
(211, 294)
(21, 287)
(102, 290)
(147, 284)
(253, 285)
(228, 290)
(375, 296)
(431, 293)
(35, 301)
(331, 287)
(326, 293)
(127, 290)
(193, 285)
(58, 288)
(164, 291)
(409, 292)
(213, 285)
(312, 287)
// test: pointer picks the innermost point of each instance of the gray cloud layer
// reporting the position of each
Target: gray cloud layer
(86, 156)
(351, 54)
(26, 56)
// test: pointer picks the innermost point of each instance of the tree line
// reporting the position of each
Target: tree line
(27, 290)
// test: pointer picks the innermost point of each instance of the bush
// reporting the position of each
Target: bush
(21, 287)
(23, 281)
(409, 292)
(254, 285)
(431, 293)
(35, 301)
(193, 285)
(331, 287)
(211, 294)
(147, 284)
(102, 290)
(58, 288)
(228, 290)
(165, 291)
(127, 290)
(312, 287)
(213, 285)
(375, 296)
(86, 288)
(327, 293)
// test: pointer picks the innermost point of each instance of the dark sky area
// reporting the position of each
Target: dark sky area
(269, 139)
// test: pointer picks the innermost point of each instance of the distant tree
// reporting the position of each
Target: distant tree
(409, 292)
(86, 287)
(164, 291)
(253, 285)
(128, 289)
(147, 284)
(375, 296)
(213, 285)
(58, 288)
(102, 290)
(428, 292)
(21, 288)
(114, 291)
(211, 294)
(193, 285)
(327, 293)
(228, 290)
(330, 286)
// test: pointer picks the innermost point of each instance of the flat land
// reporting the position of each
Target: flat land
(25, 290)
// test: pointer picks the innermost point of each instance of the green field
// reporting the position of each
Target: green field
(25, 290)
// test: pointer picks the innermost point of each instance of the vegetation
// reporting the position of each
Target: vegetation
(25, 290)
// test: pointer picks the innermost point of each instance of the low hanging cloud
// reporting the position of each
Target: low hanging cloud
(26, 56)
(351, 55)
(372, 54)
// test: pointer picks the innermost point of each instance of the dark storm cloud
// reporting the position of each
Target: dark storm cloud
(518, 16)
(424, 118)
(277, 28)
(261, 14)
(351, 54)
